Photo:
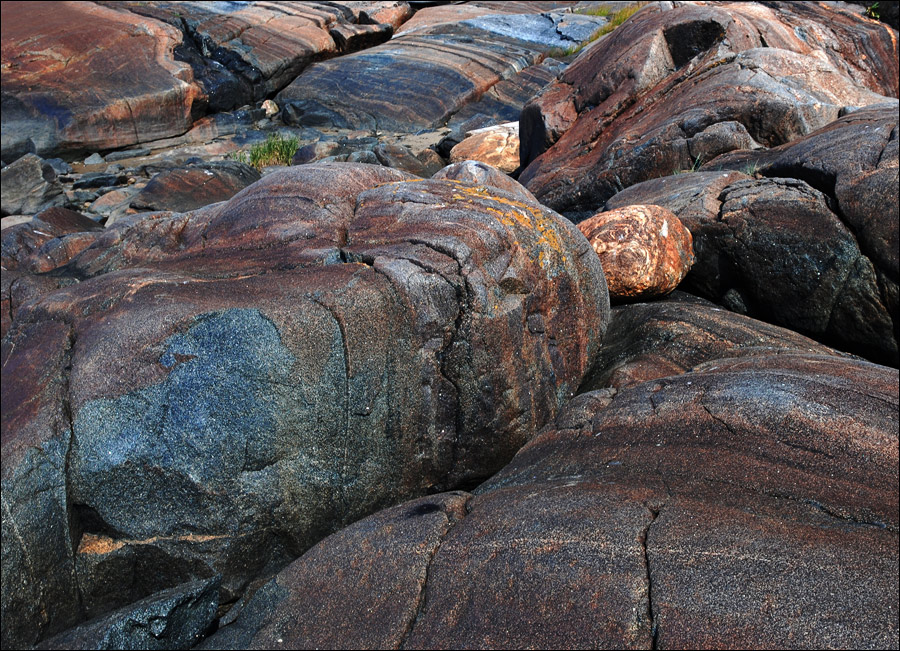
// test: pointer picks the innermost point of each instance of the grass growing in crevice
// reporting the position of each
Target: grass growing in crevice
(614, 19)
(276, 150)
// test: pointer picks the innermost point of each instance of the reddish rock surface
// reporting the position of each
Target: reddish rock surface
(184, 189)
(699, 510)
(221, 397)
(59, 96)
(464, 59)
(645, 250)
(497, 146)
(817, 255)
(664, 98)
(647, 341)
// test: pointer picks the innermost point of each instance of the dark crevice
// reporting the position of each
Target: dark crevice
(651, 613)
(74, 519)
(422, 599)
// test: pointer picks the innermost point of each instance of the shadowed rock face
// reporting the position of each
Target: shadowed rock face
(701, 509)
(57, 96)
(657, 95)
(815, 251)
(225, 387)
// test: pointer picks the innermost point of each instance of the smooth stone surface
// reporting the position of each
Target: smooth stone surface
(645, 250)
(59, 97)
(702, 509)
(657, 95)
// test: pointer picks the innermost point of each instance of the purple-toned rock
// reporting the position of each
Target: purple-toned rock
(817, 255)
(463, 58)
(647, 341)
(645, 250)
(214, 396)
(189, 188)
(658, 95)
(704, 509)
(57, 96)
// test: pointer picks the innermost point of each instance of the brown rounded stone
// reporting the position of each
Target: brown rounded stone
(645, 250)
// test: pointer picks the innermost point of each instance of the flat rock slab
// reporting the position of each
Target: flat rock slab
(657, 96)
(391, 87)
(58, 96)
(242, 52)
(700, 510)
(223, 388)
(189, 188)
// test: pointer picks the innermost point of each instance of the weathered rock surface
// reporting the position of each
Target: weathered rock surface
(59, 96)
(704, 510)
(28, 185)
(172, 619)
(189, 188)
(49, 240)
(483, 174)
(464, 59)
(657, 95)
(820, 260)
(647, 341)
(645, 250)
(498, 146)
(215, 395)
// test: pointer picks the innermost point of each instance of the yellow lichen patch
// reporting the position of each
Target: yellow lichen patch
(525, 216)
(94, 544)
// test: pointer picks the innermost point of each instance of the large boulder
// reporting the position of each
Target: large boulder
(657, 95)
(809, 242)
(225, 387)
(59, 96)
(751, 502)
(392, 86)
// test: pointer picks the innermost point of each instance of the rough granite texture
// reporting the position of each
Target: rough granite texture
(216, 394)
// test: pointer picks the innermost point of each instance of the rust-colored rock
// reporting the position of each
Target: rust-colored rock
(645, 250)
(700, 510)
(497, 146)
(224, 388)
(817, 255)
(59, 96)
(462, 59)
(658, 95)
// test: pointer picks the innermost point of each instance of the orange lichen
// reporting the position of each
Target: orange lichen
(96, 544)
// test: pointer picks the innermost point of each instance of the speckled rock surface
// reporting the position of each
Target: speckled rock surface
(215, 394)
(657, 95)
(645, 250)
(702, 510)
(809, 242)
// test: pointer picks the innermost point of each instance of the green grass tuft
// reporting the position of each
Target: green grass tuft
(615, 18)
(276, 150)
